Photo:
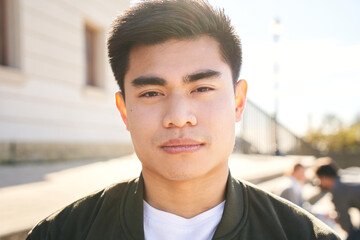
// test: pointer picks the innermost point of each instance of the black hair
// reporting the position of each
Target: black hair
(327, 170)
(156, 21)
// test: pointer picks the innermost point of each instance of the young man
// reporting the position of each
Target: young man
(177, 64)
(345, 195)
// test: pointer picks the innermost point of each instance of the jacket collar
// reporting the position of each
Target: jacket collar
(132, 220)
(231, 223)
(235, 213)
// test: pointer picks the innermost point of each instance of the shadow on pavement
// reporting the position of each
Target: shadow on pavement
(24, 173)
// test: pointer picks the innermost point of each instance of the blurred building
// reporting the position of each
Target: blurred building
(56, 86)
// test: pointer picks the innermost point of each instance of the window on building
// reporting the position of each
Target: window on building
(3, 34)
(93, 48)
(9, 33)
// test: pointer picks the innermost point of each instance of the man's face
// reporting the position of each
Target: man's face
(180, 108)
(326, 183)
(299, 174)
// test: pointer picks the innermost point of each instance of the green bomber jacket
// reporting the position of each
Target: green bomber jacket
(116, 212)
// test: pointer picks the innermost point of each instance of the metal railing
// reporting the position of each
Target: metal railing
(256, 134)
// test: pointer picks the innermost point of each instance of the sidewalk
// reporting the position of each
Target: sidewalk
(28, 193)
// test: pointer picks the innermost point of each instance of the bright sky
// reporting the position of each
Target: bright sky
(319, 57)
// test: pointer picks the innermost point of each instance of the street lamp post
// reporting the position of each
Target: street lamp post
(276, 31)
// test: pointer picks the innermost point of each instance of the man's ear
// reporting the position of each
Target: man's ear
(240, 98)
(120, 104)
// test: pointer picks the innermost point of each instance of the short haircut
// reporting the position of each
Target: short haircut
(294, 168)
(327, 170)
(156, 21)
(297, 167)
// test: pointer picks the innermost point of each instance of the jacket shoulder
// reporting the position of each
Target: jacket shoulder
(277, 214)
(76, 218)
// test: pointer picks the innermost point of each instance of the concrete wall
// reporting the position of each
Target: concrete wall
(47, 112)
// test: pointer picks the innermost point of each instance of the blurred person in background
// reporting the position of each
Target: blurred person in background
(345, 195)
(291, 187)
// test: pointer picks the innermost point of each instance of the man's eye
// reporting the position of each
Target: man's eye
(150, 94)
(203, 89)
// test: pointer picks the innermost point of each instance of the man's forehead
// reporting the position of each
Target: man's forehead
(202, 53)
(205, 41)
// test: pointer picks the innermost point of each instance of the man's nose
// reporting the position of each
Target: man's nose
(179, 112)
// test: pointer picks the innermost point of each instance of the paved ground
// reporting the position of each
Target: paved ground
(31, 192)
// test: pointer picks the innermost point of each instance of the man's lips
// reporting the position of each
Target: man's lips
(181, 145)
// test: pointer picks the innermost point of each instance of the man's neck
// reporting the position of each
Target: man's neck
(186, 198)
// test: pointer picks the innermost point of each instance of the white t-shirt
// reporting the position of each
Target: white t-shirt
(160, 225)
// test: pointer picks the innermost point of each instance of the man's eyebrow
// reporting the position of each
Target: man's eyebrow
(201, 75)
(148, 80)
